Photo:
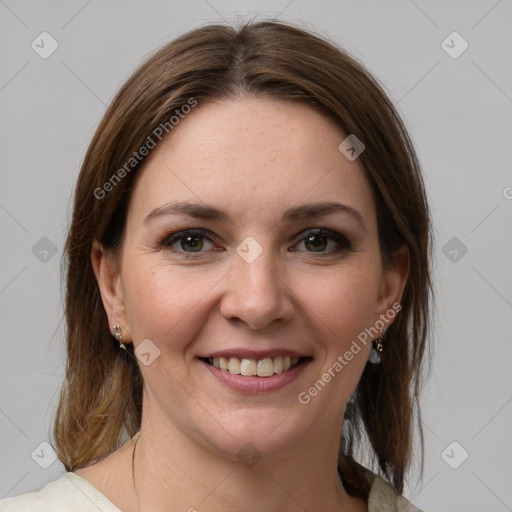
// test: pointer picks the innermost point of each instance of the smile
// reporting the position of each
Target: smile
(266, 367)
(255, 375)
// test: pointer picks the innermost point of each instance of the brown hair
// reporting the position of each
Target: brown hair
(101, 400)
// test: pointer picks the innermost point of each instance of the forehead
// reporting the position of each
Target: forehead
(252, 155)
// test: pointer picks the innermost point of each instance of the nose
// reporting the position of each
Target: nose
(255, 294)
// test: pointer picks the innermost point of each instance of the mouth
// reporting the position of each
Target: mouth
(251, 367)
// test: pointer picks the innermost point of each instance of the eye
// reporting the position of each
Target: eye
(189, 242)
(193, 242)
(324, 241)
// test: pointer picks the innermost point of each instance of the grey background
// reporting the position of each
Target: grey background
(458, 112)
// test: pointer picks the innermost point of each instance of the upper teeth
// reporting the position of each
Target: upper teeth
(262, 368)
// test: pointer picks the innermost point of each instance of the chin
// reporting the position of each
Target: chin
(258, 435)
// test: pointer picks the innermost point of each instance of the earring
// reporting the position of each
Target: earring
(377, 348)
(119, 336)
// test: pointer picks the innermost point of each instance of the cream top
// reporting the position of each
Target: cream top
(73, 493)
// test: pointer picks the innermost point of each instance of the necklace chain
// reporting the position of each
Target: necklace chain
(133, 470)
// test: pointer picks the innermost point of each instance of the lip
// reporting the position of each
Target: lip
(256, 385)
(243, 353)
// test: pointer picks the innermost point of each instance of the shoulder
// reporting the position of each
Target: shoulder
(69, 492)
(383, 498)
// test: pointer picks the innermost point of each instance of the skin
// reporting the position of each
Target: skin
(254, 158)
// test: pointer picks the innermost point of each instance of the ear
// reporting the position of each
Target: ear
(106, 269)
(392, 285)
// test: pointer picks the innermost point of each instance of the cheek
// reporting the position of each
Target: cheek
(165, 303)
(170, 303)
(339, 306)
(340, 301)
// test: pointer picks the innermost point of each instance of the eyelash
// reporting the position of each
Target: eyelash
(342, 241)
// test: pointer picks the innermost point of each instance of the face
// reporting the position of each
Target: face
(251, 242)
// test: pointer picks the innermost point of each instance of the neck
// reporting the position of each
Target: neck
(172, 470)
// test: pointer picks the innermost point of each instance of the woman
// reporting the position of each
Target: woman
(248, 287)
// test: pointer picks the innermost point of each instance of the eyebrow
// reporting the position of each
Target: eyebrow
(305, 211)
